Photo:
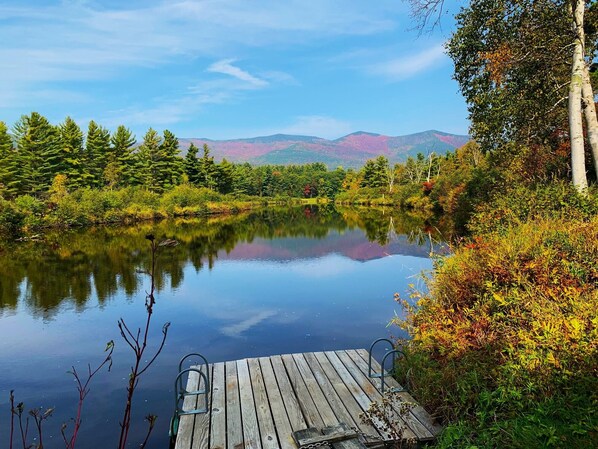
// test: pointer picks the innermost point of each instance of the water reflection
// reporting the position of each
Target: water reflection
(273, 281)
(99, 262)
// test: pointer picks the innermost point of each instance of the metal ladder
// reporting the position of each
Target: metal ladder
(394, 352)
(181, 392)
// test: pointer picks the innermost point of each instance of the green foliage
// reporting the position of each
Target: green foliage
(188, 200)
(37, 159)
(97, 151)
(121, 169)
(519, 204)
(512, 63)
(72, 156)
(11, 219)
(508, 333)
(6, 153)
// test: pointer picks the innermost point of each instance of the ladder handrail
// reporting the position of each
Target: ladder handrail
(370, 374)
(205, 363)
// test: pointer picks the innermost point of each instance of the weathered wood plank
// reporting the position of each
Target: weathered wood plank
(422, 415)
(353, 443)
(358, 367)
(291, 402)
(201, 430)
(304, 434)
(325, 409)
(251, 433)
(333, 436)
(363, 390)
(186, 422)
(335, 380)
(234, 429)
(262, 406)
(277, 381)
(218, 409)
(306, 403)
(279, 413)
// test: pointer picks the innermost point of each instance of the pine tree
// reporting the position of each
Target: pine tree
(151, 163)
(225, 176)
(97, 150)
(207, 169)
(38, 157)
(6, 153)
(170, 165)
(121, 166)
(72, 156)
(191, 164)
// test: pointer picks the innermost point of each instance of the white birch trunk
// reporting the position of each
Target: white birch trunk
(578, 166)
(590, 114)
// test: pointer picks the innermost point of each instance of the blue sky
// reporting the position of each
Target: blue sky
(228, 68)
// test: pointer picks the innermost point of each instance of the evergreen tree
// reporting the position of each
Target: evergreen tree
(72, 156)
(207, 170)
(97, 152)
(38, 157)
(151, 161)
(225, 176)
(191, 164)
(122, 163)
(170, 165)
(6, 154)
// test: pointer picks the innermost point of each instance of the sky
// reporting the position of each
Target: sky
(224, 69)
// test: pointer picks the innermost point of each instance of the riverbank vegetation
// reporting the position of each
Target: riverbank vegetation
(504, 341)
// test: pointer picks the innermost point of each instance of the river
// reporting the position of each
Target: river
(267, 282)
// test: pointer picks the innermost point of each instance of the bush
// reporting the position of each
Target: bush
(11, 219)
(185, 196)
(505, 344)
(519, 204)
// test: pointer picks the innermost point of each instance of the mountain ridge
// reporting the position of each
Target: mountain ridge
(350, 151)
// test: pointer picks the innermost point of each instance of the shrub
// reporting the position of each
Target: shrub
(505, 344)
(519, 203)
(11, 219)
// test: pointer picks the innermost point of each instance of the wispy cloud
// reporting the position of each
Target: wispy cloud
(235, 330)
(226, 67)
(408, 66)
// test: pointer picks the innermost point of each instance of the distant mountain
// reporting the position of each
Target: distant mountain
(349, 151)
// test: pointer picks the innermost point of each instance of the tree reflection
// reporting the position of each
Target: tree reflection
(70, 268)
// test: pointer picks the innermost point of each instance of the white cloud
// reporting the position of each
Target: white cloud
(226, 67)
(235, 330)
(409, 66)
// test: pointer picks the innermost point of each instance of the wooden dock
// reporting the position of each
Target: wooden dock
(259, 403)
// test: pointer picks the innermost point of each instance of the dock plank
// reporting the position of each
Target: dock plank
(251, 433)
(218, 409)
(262, 406)
(234, 430)
(349, 398)
(290, 400)
(187, 422)
(421, 413)
(279, 412)
(306, 403)
(418, 419)
(362, 388)
(325, 409)
(201, 430)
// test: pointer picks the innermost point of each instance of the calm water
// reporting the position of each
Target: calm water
(276, 281)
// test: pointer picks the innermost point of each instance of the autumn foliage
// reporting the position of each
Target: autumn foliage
(504, 345)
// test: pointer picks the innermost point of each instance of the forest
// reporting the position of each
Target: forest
(57, 175)
(503, 345)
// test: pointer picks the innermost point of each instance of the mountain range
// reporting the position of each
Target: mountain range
(352, 150)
